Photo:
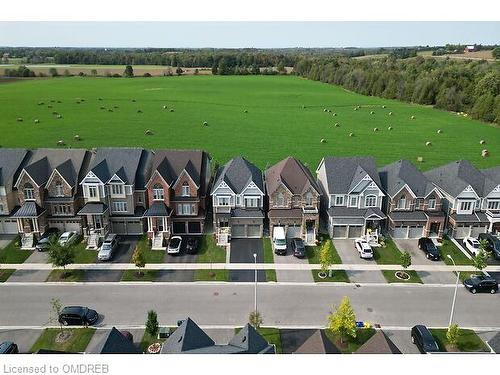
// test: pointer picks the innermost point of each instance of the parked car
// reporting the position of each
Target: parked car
(481, 284)
(78, 315)
(493, 243)
(44, 241)
(174, 246)
(472, 245)
(192, 245)
(298, 248)
(427, 246)
(108, 247)
(279, 240)
(423, 339)
(364, 249)
(67, 238)
(8, 347)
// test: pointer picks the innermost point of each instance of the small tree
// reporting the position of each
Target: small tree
(405, 259)
(342, 321)
(152, 325)
(453, 334)
(55, 311)
(179, 71)
(129, 71)
(255, 319)
(60, 256)
(139, 260)
(479, 261)
(93, 72)
(325, 256)
(53, 72)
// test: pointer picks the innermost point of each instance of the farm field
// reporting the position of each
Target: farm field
(264, 118)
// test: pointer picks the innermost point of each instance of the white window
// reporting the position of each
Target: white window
(465, 206)
(251, 202)
(478, 204)
(402, 203)
(93, 191)
(59, 189)
(280, 200)
(29, 192)
(185, 209)
(353, 202)
(185, 189)
(158, 193)
(1, 208)
(432, 203)
(238, 200)
(116, 189)
(309, 199)
(370, 201)
(223, 201)
(120, 206)
(339, 200)
(493, 205)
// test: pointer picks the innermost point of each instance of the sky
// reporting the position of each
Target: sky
(246, 34)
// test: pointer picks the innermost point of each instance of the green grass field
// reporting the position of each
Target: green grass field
(285, 116)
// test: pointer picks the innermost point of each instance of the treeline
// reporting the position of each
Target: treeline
(466, 86)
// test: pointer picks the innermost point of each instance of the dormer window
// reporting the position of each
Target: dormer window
(309, 199)
(116, 189)
(59, 189)
(402, 203)
(493, 205)
(370, 201)
(280, 200)
(185, 189)
(158, 194)
(29, 192)
(432, 203)
(339, 200)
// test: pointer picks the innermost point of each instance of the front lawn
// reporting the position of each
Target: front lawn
(69, 275)
(77, 343)
(467, 274)
(5, 274)
(13, 254)
(211, 275)
(209, 252)
(151, 256)
(312, 253)
(468, 341)
(350, 346)
(449, 248)
(269, 258)
(338, 276)
(82, 255)
(391, 277)
(145, 275)
(387, 254)
(147, 340)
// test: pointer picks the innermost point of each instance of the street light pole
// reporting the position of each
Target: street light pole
(455, 293)
(255, 275)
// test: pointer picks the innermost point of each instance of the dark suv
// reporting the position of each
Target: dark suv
(481, 283)
(298, 248)
(423, 339)
(427, 246)
(44, 241)
(78, 315)
(493, 243)
(8, 347)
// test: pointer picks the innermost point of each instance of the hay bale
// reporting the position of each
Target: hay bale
(355, 108)
(49, 106)
(323, 140)
(19, 119)
(372, 112)
(164, 107)
(485, 153)
(148, 132)
(139, 111)
(325, 110)
(133, 100)
(205, 123)
(412, 117)
(171, 109)
(303, 107)
(110, 110)
(77, 137)
(99, 98)
(439, 131)
(329, 110)
(55, 113)
(59, 116)
(102, 107)
(375, 129)
(428, 143)
(60, 143)
(40, 103)
(245, 111)
(383, 106)
(420, 159)
(389, 128)
(334, 114)
(351, 134)
(37, 121)
(115, 107)
(482, 142)
(59, 102)
(337, 125)
(390, 113)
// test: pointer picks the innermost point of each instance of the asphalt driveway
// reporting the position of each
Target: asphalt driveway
(292, 276)
(102, 276)
(23, 338)
(242, 251)
(125, 249)
(349, 255)
(29, 276)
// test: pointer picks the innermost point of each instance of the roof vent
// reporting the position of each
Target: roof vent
(244, 339)
(180, 339)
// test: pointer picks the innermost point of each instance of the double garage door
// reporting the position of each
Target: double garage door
(66, 225)
(465, 230)
(8, 226)
(192, 227)
(408, 231)
(133, 227)
(245, 231)
(347, 231)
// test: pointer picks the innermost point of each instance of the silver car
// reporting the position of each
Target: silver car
(108, 247)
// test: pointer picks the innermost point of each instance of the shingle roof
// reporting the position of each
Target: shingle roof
(353, 212)
(238, 173)
(492, 179)
(93, 208)
(116, 343)
(344, 173)
(11, 160)
(188, 336)
(158, 209)
(379, 343)
(29, 209)
(250, 341)
(456, 176)
(408, 216)
(124, 162)
(247, 212)
(395, 175)
(292, 173)
(317, 343)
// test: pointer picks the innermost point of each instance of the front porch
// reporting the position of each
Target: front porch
(356, 223)
(158, 220)
(95, 224)
(31, 223)
(494, 219)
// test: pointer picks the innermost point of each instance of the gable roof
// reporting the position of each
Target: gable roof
(400, 173)
(250, 341)
(292, 173)
(456, 176)
(237, 174)
(492, 179)
(67, 162)
(126, 163)
(317, 343)
(188, 336)
(11, 163)
(343, 174)
(170, 164)
(116, 343)
(379, 343)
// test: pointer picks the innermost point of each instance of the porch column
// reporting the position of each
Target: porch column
(35, 225)
(164, 222)
(20, 227)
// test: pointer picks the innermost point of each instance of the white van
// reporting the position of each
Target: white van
(279, 240)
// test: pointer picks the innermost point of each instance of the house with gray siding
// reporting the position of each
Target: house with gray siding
(491, 201)
(238, 200)
(412, 202)
(352, 197)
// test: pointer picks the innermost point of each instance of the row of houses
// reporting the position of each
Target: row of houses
(165, 192)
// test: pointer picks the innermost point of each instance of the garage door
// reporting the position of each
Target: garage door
(477, 230)
(118, 227)
(355, 231)
(400, 232)
(8, 226)
(339, 231)
(135, 227)
(194, 227)
(254, 231)
(415, 231)
(293, 232)
(237, 231)
(462, 231)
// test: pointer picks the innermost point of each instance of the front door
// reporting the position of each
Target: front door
(159, 224)
(97, 222)
(434, 230)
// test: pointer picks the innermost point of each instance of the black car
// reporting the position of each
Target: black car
(78, 315)
(8, 347)
(493, 243)
(423, 339)
(192, 245)
(427, 246)
(481, 284)
(44, 241)
(298, 248)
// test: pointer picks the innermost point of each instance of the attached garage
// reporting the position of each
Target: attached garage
(238, 231)
(294, 231)
(355, 231)
(477, 229)
(462, 231)
(400, 232)
(8, 226)
(415, 231)
(254, 231)
(179, 227)
(118, 227)
(194, 227)
(127, 227)
(135, 227)
(339, 231)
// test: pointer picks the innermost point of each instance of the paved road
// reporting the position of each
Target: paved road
(299, 305)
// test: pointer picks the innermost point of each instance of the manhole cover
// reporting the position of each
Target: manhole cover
(234, 293)
(216, 293)
(369, 309)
